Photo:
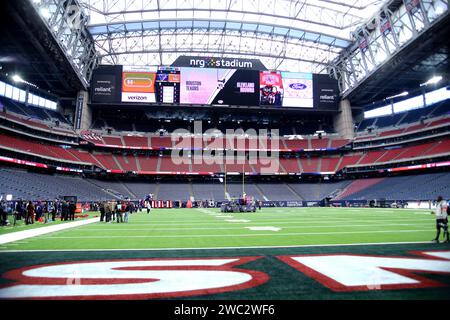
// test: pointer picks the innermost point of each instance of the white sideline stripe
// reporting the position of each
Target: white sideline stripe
(223, 248)
(328, 221)
(293, 226)
(243, 235)
(25, 234)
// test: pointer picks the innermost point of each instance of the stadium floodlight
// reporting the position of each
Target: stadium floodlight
(404, 93)
(433, 80)
(17, 78)
(45, 13)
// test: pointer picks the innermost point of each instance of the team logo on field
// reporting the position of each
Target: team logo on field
(131, 279)
(170, 278)
(348, 272)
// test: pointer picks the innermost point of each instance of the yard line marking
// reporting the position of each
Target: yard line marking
(244, 235)
(223, 248)
(25, 234)
(238, 220)
(263, 228)
(279, 222)
(293, 226)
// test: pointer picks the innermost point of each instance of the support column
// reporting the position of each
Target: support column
(83, 113)
(343, 121)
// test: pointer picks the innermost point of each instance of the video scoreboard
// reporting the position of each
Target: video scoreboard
(213, 87)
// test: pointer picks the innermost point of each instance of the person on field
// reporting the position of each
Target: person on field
(3, 213)
(148, 205)
(64, 211)
(72, 209)
(108, 211)
(441, 219)
(128, 209)
(30, 213)
(119, 212)
(102, 211)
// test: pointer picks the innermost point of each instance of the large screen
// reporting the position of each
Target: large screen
(106, 84)
(138, 84)
(219, 86)
(167, 87)
(213, 87)
(271, 89)
(298, 90)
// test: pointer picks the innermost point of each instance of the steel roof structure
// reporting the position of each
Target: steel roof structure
(302, 35)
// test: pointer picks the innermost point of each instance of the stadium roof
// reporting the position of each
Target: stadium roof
(302, 35)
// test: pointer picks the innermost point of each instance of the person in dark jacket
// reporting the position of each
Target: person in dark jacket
(30, 213)
(3, 213)
(72, 209)
(64, 211)
(102, 211)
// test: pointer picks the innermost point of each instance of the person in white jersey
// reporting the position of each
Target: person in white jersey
(441, 219)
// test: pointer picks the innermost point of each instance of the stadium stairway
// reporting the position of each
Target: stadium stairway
(357, 186)
(261, 193)
(295, 192)
(130, 191)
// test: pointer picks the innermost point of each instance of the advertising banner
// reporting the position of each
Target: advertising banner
(167, 85)
(271, 89)
(221, 63)
(219, 87)
(106, 84)
(326, 92)
(138, 84)
(298, 90)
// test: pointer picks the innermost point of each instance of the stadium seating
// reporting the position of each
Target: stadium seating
(310, 164)
(127, 162)
(33, 186)
(137, 142)
(27, 185)
(319, 143)
(417, 187)
(290, 165)
(147, 163)
(280, 192)
(208, 191)
(317, 191)
(356, 186)
(349, 160)
(107, 161)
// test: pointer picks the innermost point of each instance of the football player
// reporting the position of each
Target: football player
(441, 219)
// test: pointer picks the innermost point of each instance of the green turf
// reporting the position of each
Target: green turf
(207, 228)
(21, 226)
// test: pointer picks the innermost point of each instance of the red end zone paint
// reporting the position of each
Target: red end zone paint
(256, 278)
(407, 272)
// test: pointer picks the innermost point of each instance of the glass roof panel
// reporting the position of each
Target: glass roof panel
(299, 35)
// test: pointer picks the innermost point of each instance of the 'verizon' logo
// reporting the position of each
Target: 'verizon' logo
(138, 98)
(131, 279)
(297, 86)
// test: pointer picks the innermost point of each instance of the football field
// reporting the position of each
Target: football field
(287, 251)
(208, 228)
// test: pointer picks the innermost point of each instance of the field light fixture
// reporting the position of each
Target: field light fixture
(433, 80)
(404, 93)
(17, 78)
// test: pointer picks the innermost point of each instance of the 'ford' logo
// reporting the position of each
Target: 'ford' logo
(297, 86)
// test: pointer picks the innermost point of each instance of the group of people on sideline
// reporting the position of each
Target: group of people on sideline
(41, 211)
(116, 210)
